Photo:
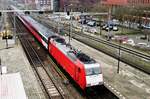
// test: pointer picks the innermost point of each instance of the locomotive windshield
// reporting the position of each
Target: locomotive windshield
(84, 58)
(60, 40)
(53, 36)
(92, 71)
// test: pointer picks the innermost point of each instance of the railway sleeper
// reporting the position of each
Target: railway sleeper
(52, 91)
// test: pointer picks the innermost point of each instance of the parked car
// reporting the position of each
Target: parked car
(142, 45)
(104, 27)
(109, 28)
(93, 30)
(130, 42)
(91, 23)
(115, 28)
(123, 39)
(143, 37)
(82, 21)
(115, 21)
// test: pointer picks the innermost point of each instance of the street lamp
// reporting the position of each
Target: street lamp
(58, 25)
(100, 28)
(119, 56)
(0, 66)
(82, 19)
(70, 28)
(25, 4)
(6, 38)
(14, 27)
(109, 20)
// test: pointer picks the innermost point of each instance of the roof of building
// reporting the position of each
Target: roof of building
(115, 2)
(11, 87)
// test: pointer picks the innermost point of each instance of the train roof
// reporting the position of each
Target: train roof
(84, 58)
(67, 49)
(71, 52)
(44, 31)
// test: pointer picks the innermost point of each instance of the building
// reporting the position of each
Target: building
(41, 4)
(114, 2)
(30, 4)
(126, 2)
(48, 4)
(67, 4)
(139, 2)
(56, 5)
(44, 4)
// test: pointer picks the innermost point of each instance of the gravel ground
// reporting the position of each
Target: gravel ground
(15, 60)
(130, 82)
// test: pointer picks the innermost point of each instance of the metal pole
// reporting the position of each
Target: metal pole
(69, 34)
(6, 39)
(0, 61)
(58, 24)
(25, 4)
(71, 14)
(5, 28)
(119, 56)
(15, 27)
(109, 18)
(82, 21)
(70, 30)
(0, 66)
(100, 27)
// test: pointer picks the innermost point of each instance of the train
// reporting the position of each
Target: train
(84, 70)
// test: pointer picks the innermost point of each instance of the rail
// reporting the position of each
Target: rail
(139, 58)
(47, 80)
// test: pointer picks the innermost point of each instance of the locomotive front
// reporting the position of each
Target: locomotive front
(93, 72)
(94, 75)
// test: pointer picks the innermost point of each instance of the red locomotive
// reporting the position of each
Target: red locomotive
(84, 70)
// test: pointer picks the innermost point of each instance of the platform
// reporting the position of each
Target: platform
(16, 61)
(11, 87)
(130, 83)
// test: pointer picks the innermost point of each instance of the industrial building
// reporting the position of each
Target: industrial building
(126, 2)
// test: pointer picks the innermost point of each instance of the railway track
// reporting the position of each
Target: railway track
(131, 51)
(117, 46)
(51, 88)
(134, 58)
(129, 56)
(100, 93)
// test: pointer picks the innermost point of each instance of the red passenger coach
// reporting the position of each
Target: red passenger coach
(84, 70)
(31, 29)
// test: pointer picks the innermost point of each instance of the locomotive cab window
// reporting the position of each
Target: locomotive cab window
(93, 71)
(60, 40)
(54, 36)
